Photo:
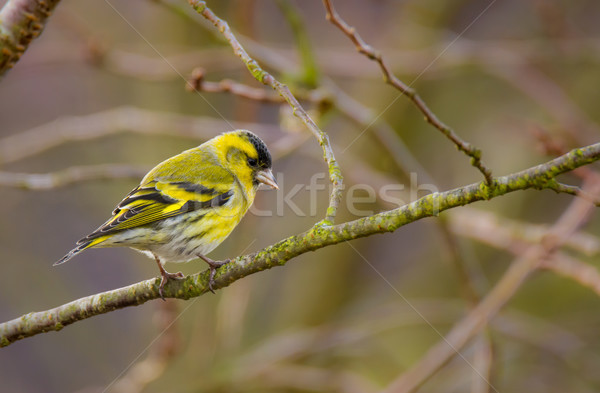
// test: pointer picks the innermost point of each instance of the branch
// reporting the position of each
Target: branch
(47, 181)
(20, 22)
(389, 77)
(197, 83)
(513, 235)
(112, 121)
(578, 271)
(335, 174)
(516, 237)
(278, 254)
(483, 358)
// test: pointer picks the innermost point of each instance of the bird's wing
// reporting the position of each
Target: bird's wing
(158, 200)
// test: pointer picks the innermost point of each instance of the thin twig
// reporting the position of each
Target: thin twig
(319, 237)
(198, 83)
(365, 49)
(335, 174)
(573, 190)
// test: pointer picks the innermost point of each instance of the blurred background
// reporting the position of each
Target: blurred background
(101, 97)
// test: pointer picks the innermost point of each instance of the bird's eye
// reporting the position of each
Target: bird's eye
(252, 162)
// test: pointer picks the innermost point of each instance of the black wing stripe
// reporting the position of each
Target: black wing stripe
(196, 188)
(153, 197)
(217, 201)
(189, 206)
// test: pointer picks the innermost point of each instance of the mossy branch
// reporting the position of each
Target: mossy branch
(278, 254)
(20, 22)
(335, 174)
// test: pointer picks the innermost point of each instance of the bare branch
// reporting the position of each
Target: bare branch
(512, 235)
(365, 49)
(112, 121)
(581, 272)
(197, 83)
(483, 358)
(516, 237)
(47, 181)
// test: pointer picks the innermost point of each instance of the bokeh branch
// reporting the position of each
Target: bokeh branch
(516, 237)
(335, 174)
(20, 22)
(96, 125)
(571, 220)
(46, 181)
(316, 238)
(389, 77)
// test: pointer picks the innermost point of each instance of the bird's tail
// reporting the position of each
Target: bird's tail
(82, 245)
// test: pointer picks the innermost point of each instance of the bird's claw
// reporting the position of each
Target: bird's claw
(166, 276)
(213, 265)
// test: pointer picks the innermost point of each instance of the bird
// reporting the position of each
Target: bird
(188, 204)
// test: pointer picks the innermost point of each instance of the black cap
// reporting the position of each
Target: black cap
(264, 157)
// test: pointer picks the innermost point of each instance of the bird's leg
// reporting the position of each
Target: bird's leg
(212, 265)
(165, 276)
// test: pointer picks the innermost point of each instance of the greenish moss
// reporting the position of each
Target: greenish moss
(199, 6)
(485, 191)
(258, 73)
(330, 213)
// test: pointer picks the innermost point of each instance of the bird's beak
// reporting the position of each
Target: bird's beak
(266, 177)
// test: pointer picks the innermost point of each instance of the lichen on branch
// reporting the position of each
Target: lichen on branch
(291, 247)
(20, 22)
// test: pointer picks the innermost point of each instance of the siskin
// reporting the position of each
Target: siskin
(187, 205)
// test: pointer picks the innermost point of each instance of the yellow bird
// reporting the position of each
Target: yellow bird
(187, 205)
